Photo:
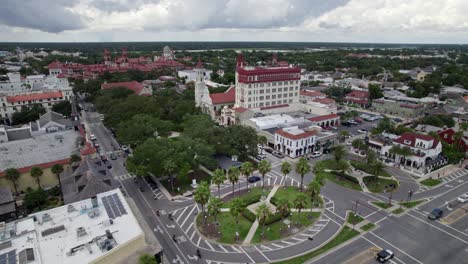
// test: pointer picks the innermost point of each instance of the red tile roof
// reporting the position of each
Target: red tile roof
(285, 134)
(41, 165)
(240, 109)
(34, 96)
(324, 117)
(324, 100)
(135, 86)
(358, 94)
(312, 93)
(228, 96)
(274, 106)
(411, 138)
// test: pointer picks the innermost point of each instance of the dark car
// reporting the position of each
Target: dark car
(384, 255)
(346, 124)
(269, 150)
(104, 158)
(435, 214)
(278, 154)
(141, 189)
(109, 166)
(113, 156)
(254, 178)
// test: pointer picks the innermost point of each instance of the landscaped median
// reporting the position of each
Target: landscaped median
(366, 168)
(430, 182)
(379, 185)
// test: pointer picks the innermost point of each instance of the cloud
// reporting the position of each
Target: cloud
(46, 15)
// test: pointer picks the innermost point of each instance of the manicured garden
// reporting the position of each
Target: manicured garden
(342, 180)
(225, 227)
(379, 185)
(366, 168)
(290, 194)
(354, 218)
(249, 197)
(279, 229)
(430, 182)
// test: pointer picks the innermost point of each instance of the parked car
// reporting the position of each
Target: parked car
(101, 118)
(315, 154)
(436, 214)
(346, 124)
(93, 137)
(254, 179)
(113, 156)
(349, 143)
(278, 154)
(269, 150)
(96, 145)
(463, 198)
(334, 127)
(384, 255)
(359, 120)
(352, 122)
(125, 149)
(109, 166)
(260, 157)
(104, 158)
(362, 130)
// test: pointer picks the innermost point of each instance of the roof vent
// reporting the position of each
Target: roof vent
(93, 213)
(46, 218)
(80, 232)
(71, 208)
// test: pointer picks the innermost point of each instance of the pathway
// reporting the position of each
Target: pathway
(255, 225)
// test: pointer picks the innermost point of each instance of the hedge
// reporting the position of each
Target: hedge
(249, 215)
(346, 176)
(273, 218)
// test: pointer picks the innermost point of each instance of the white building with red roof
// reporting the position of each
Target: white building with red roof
(357, 97)
(190, 75)
(294, 141)
(325, 120)
(310, 95)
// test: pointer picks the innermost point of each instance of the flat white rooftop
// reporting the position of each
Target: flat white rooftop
(270, 121)
(76, 233)
(37, 150)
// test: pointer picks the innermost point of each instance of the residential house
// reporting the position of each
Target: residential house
(360, 98)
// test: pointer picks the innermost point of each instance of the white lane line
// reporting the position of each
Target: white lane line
(198, 243)
(411, 257)
(265, 247)
(253, 261)
(262, 253)
(372, 213)
(209, 245)
(236, 249)
(180, 216)
(456, 230)
(225, 250)
(188, 228)
(381, 247)
(378, 221)
(193, 234)
(188, 216)
(278, 246)
(417, 218)
(297, 239)
(287, 242)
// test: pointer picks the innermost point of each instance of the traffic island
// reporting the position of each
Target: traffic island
(411, 204)
(379, 185)
(430, 182)
(224, 229)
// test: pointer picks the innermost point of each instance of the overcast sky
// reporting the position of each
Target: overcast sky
(383, 21)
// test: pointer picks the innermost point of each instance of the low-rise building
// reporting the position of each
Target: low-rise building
(449, 135)
(404, 109)
(360, 98)
(99, 230)
(136, 87)
(294, 141)
(7, 204)
(191, 74)
(325, 120)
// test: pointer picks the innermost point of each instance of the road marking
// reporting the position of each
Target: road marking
(178, 218)
(177, 260)
(193, 234)
(287, 242)
(198, 243)
(417, 218)
(262, 254)
(278, 246)
(225, 250)
(297, 239)
(188, 228)
(188, 216)
(236, 249)
(192, 257)
(263, 246)
(170, 226)
(392, 246)
(372, 213)
(454, 229)
(253, 261)
(208, 243)
(158, 229)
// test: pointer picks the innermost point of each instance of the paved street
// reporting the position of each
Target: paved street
(408, 235)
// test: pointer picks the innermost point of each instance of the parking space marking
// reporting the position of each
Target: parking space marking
(225, 250)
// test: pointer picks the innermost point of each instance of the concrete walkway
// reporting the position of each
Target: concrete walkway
(255, 225)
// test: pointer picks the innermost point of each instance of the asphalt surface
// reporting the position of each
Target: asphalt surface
(413, 237)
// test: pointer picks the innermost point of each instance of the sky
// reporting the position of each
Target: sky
(376, 21)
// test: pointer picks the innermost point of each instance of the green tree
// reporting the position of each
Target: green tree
(300, 202)
(358, 143)
(344, 134)
(35, 199)
(262, 140)
(170, 168)
(377, 167)
(141, 127)
(235, 208)
(285, 169)
(63, 108)
(202, 196)
(214, 207)
(13, 175)
(247, 169)
(374, 91)
(233, 176)
(344, 166)
(264, 167)
(57, 169)
(147, 259)
(263, 213)
(283, 207)
(28, 114)
(371, 157)
(314, 189)
(75, 158)
(218, 178)
(339, 153)
(37, 173)
(302, 168)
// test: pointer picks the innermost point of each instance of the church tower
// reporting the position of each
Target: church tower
(201, 90)
(107, 57)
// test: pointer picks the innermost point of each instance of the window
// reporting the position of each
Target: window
(250, 92)
(291, 88)
(261, 91)
(290, 94)
(274, 84)
(273, 96)
(285, 101)
(267, 97)
(267, 91)
(273, 90)
(290, 101)
(280, 95)
(261, 98)
(267, 103)
(280, 89)
(261, 104)
(285, 95)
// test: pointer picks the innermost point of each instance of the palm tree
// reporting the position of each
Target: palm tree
(357, 143)
(377, 168)
(235, 208)
(263, 212)
(75, 158)
(464, 126)
(314, 189)
(233, 176)
(283, 207)
(371, 157)
(202, 196)
(344, 134)
(264, 167)
(457, 139)
(218, 179)
(169, 168)
(36, 173)
(300, 202)
(285, 169)
(57, 169)
(247, 169)
(339, 153)
(13, 175)
(214, 207)
(406, 152)
(262, 140)
(319, 167)
(302, 167)
(344, 166)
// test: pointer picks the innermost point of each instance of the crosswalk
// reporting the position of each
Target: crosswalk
(124, 177)
(450, 178)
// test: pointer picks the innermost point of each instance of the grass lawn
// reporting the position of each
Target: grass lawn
(367, 227)
(345, 234)
(354, 218)
(398, 211)
(365, 167)
(248, 198)
(430, 182)
(412, 203)
(182, 187)
(278, 229)
(226, 228)
(341, 181)
(290, 193)
(381, 205)
(330, 164)
(377, 186)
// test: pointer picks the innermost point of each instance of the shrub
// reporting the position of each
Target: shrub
(249, 215)
(273, 218)
(274, 201)
(346, 176)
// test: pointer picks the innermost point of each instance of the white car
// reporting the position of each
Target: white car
(463, 198)
(93, 137)
(362, 131)
(349, 143)
(315, 154)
